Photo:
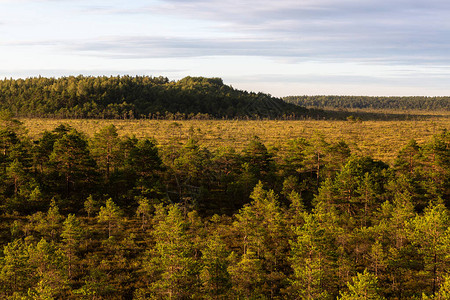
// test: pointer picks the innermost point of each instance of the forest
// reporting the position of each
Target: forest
(190, 98)
(109, 216)
(375, 103)
(126, 97)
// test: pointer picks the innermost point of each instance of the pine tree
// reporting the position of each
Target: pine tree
(90, 205)
(259, 160)
(401, 259)
(296, 209)
(316, 157)
(52, 281)
(144, 210)
(110, 214)
(309, 260)
(377, 258)
(16, 274)
(172, 265)
(362, 287)
(443, 293)
(17, 172)
(71, 236)
(409, 157)
(247, 275)
(106, 149)
(144, 161)
(71, 159)
(431, 234)
(216, 281)
(263, 231)
(53, 219)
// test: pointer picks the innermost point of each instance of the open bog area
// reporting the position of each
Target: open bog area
(379, 139)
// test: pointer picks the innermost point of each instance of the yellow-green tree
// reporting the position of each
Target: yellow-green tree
(216, 280)
(363, 287)
(172, 266)
(430, 233)
(71, 236)
(111, 215)
(310, 260)
(263, 235)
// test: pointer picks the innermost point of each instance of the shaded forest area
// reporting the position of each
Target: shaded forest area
(372, 103)
(125, 97)
(116, 217)
(145, 97)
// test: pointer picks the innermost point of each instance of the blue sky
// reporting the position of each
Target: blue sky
(284, 47)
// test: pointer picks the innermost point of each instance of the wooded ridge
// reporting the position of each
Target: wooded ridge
(126, 97)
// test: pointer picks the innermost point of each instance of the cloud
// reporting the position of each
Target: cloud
(368, 30)
(155, 47)
(315, 48)
(398, 32)
(264, 11)
(378, 31)
(334, 48)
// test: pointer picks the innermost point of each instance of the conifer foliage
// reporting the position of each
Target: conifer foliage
(117, 217)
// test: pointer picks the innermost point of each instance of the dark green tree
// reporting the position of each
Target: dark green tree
(106, 149)
(144, 161)
(72, 161)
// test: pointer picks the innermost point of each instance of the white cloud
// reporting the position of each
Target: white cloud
(370, 31)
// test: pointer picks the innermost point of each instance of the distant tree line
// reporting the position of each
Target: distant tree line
(365, 102)
(126, 97)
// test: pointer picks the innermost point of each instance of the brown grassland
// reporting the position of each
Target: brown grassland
(379, 139)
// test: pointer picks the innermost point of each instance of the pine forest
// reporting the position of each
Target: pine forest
(99, 212)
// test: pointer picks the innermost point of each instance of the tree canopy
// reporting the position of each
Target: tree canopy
(119, 217)
(126, 97)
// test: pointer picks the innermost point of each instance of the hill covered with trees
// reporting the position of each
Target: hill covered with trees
(125, 97)
(372, 103)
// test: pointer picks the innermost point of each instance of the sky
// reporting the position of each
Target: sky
(280, 47)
